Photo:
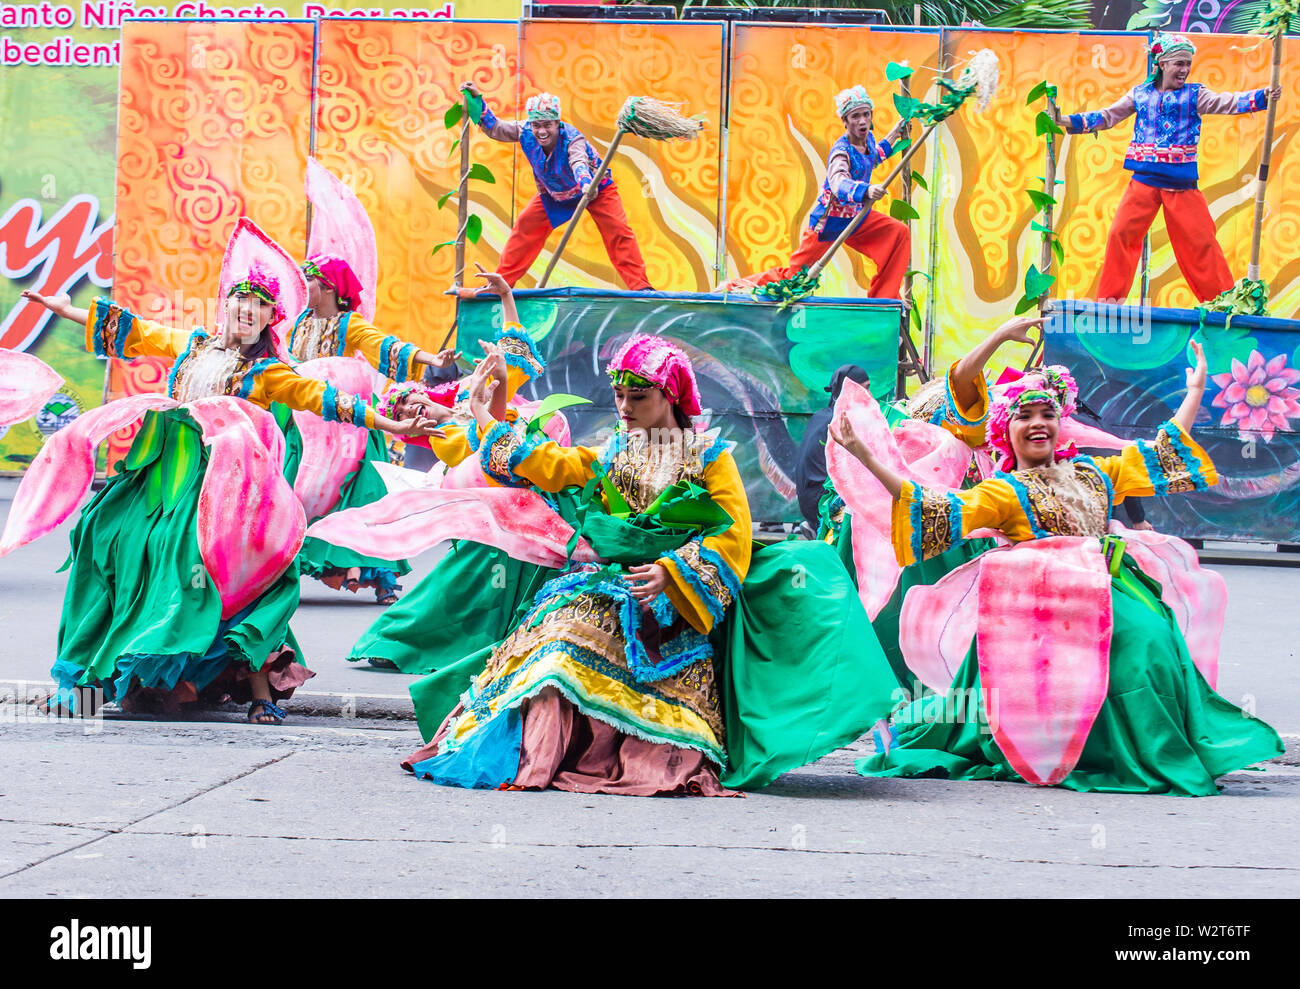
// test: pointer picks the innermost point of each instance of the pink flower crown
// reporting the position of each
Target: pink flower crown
(264, 285)
(1053, 386)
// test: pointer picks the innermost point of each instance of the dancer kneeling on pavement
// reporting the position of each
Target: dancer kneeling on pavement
(1078, 674)
(182, 578)
(608, 683)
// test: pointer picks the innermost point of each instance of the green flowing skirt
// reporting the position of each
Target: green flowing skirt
(140, 606)
(1161, 729)
(363, 486)
(929, 571)
(798, 668)
(471, 599)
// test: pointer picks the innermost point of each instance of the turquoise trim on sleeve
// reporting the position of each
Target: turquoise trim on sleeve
(522, 452)
(724, 569)
(662, 609)
(343, 335)
(516, 332)
(714, 451)
(1193, 462)
(1159, 481)
(471, 435)
(404, 362)
(384, 349)
(499, 433)
(1090, 463)
(171, 375)
(125, 324)
(246, 387)
(913, 491)
(293, 330)
(954, 519)
(1022, 495)
(711, 603)
(953, 414)
(329, 404)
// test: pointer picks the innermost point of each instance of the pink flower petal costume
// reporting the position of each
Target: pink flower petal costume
(1059, 660)
(182, 577)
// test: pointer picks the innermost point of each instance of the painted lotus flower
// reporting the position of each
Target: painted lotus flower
(1258, 396)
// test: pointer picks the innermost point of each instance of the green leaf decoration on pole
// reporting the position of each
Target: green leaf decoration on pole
(1041, 200)
(901, 209)
(1044, 124)
(918, 180)
(895, 71)
(1036, 284)
(453, 117)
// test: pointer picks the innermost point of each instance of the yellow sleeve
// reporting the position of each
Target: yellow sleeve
(537, 459)
(967, 423)
(523, 360)
(926, 522)
(391, 356)
(704, 576)
(276, 382)
(112, 331)
(1172, 464)
(452, 448)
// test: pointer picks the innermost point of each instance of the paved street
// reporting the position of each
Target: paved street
(319, 805)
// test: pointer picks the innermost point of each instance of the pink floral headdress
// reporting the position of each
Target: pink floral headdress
(1053, 386)
(263, 284)
(661, 363)
(389, 400)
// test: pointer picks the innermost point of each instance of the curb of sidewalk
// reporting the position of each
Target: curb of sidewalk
(385, 707)
(340, 704)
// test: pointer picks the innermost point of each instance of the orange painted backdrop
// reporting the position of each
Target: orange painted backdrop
(214, 123)
(216, 120)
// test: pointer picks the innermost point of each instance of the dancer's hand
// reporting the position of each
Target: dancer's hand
(470, 88)
(481, 386)
(1196, 375)
(60, 305)
(417, 425)
(1016, 330)
(647, 580)
(900, 128)
(1275, 94)
(56, 304)
(875, 192)
(495, 283)
(842, 432)
(445, 358)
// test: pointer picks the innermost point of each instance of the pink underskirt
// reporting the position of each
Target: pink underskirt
(564, 749)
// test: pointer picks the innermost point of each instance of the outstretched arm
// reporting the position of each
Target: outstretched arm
(1251, 101)
(965, 376)
(841, 431)
(60, 305)
(499, 130)
(1094, 120)
(1186, 414)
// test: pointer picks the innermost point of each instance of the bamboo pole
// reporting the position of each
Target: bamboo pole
(1045, 258)
(1265, 154)
(586, 199)
(462, 197)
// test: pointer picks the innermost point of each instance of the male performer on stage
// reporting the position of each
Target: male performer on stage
(846, 191)
(563, 164)
(1162, 158)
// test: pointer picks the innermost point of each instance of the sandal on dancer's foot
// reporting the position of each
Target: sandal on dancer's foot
(277, 713)
(379, 663)
(383, 596)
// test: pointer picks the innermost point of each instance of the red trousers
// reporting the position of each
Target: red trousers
(1191, 232)
(533, 227)
(884, 240)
